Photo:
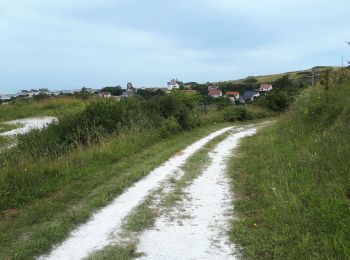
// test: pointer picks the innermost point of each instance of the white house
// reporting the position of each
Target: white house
(215, 93)
(265, 87)
(233, 95)
(173, 84)
(105, 94)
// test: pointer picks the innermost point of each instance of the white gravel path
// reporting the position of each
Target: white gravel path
(98, 232)
(28, 124)
(204, 234)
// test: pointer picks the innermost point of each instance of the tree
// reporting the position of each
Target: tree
(250, 80)
(278, 100)
(115, 91)
(283, 82)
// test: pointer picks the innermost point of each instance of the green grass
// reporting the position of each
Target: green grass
(42, 202)
(49, 107)
(292, 182)
(4, 141)
(293, 75)
(124, 252)
(7, 127)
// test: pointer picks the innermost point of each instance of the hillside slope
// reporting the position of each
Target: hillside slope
(298, 76)
(293, 181)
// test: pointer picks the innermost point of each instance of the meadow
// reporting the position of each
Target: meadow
(57, 106)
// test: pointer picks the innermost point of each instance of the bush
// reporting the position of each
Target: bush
(237, 113)
(170, 113)
(41, 96)
(170, 126)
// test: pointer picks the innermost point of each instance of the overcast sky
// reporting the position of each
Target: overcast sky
(63, 44)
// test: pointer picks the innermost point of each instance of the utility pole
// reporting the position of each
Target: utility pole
(313, 77)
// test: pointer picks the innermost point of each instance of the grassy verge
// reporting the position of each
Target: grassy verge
(7, 127)
(64, 193)
(292, 182)
(159, 202)
(48, 107)
(4, 141)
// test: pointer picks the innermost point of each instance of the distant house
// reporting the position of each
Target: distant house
(233, 95)
(105, 94)
(5, 97)
(249, 96)
(173, 84)
(265, 87)
(215, 93)
(212, 87)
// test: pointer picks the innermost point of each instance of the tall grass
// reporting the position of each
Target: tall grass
(48, 107)
(60, 193)
(135, 123)
(293, 181)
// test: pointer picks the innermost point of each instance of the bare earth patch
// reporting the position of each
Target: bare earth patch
(28, 124)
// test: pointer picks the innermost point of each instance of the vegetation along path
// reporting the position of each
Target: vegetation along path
(203, 231)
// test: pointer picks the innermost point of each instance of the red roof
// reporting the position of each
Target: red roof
(215, 92)
(232, 93)
(265, 86)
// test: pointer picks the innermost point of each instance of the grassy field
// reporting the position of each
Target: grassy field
(48, 107)
(7, 127)
(4, 141)
(46, 205)
(292, 182)
(294, 75)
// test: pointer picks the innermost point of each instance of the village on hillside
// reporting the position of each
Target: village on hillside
(116, 92)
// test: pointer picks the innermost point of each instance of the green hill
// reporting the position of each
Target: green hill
(299, 76)
(293, 180)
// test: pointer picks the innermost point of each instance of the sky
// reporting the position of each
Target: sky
(68, 44)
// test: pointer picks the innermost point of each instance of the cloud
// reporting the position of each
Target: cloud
(65, 44)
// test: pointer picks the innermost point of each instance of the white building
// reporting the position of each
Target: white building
(173, 84)
(265, 87)
(105, 94)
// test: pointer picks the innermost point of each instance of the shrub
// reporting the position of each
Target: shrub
(170, 113)
(169, 126)
(237, 113)
(41, 96)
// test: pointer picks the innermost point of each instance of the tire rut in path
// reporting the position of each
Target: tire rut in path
(203, 234)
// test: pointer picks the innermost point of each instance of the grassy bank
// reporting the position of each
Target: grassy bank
(4, 141)
(85, 180)
(292, 181)
(7, 127)
(48, 107)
